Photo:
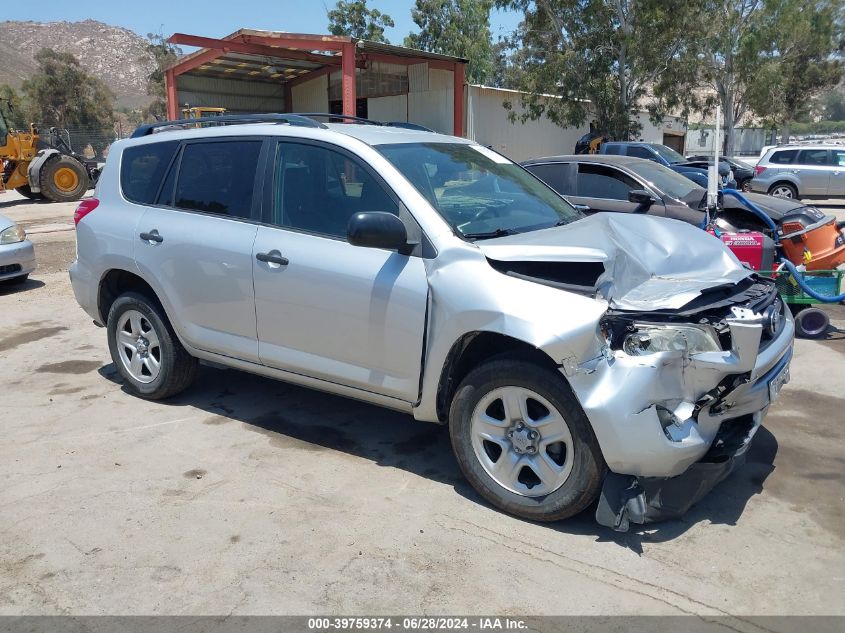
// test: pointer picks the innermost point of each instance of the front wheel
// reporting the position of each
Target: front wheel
(523, 441)
(63, 179)
(145, 349)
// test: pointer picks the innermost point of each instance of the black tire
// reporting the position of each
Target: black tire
(27, 192)
(745, 185)
(786, 187)
(51, 184)
(178, 368)
(811, 323)
(584, 482)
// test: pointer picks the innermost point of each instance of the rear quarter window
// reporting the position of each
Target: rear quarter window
(142, 169)
(783, 157)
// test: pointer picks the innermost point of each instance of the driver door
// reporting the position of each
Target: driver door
(326, 309)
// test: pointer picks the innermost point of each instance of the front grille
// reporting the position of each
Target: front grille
(11, 268)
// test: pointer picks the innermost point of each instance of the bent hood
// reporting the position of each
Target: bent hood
(650, 263)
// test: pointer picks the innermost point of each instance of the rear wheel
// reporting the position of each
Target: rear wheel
(783, 190)
(745, 185)
(145, 348)
(27, 192)
(523, 441)
(63, 179)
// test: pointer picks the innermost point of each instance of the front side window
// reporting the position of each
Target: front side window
(599, 181)
(218, 177)
(837, 157)
(318, 190)
(670, 182)
(667, 154)
(640, 152)
(478, 192)
(142, 169)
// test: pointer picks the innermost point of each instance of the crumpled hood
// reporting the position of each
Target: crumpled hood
(650, 263)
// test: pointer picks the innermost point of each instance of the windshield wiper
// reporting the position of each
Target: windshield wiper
(500, 232)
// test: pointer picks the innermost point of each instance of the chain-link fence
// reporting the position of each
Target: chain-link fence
(91, 142)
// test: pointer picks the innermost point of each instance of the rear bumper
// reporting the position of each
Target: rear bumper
(16, 260)
(84, 289)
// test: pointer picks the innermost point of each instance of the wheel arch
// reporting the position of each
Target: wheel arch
(785, 181)
(118, 281)
(474, 348)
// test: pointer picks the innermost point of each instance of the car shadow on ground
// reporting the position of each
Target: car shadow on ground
(9, 288)
(288, 414)
(21, 202)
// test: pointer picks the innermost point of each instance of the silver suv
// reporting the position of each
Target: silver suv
(621, 357)
(801, 171)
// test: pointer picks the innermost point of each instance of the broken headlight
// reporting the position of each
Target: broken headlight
(649, 338)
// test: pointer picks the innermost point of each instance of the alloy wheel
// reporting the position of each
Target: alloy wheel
(522, 441)
(782, 191)
(138, 346)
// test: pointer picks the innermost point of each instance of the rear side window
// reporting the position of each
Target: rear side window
(784, 157)
(613, 149)
(142, 169)
(812, 157)
(218, 177)
(555, 175)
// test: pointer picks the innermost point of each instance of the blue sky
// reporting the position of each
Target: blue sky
(215, 18)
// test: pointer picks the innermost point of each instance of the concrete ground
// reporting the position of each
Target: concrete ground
(250, 496)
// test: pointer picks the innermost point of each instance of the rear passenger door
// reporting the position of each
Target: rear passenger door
(195, 244)
(813, 170)
(326, 309)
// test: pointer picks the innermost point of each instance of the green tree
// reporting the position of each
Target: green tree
(831, 106)
(354, 18)
(456, 27)
(801, 64)
(13, 108)
(61, 94)
(603, 57)
(162, 54)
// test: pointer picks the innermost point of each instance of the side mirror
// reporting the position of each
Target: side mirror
(641, 196)
(583, 208)
(377, 229)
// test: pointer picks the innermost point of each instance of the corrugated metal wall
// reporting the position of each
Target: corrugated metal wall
(433, 107)
(234, 95)
(393, 108)
(488, 124)
(311, 96)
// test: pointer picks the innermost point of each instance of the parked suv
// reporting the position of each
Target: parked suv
(804, 171)
(572, 357)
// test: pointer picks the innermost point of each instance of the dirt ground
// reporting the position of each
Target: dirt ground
(249, 496)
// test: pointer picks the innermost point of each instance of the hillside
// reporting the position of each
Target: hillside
(114, 54)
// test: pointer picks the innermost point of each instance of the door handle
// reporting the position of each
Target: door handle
(152, 236)
(796, 171)
(273, 257)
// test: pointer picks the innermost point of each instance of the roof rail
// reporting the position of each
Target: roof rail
(228, 119)
(345, 117)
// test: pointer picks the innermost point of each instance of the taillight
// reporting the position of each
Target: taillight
(85, 207)
(759, 169)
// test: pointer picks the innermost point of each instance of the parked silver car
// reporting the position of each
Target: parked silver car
(627, 358)
(801, 171)
(17, 256)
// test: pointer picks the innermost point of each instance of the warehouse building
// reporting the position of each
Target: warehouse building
(269, 71)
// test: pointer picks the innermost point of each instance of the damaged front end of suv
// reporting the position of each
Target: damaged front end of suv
(692, 349)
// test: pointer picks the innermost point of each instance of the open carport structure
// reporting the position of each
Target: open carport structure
(269, 71)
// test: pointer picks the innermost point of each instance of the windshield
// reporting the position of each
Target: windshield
(479, 192)
(669, 182)
(668, 154)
